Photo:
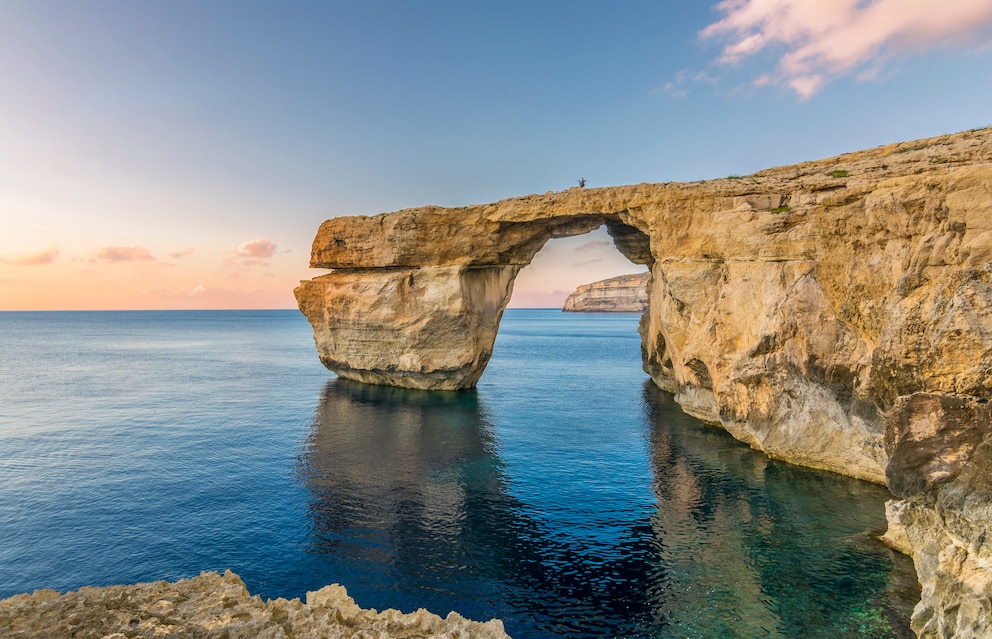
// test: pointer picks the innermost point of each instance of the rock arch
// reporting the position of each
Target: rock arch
(415, 298)
(835, 314)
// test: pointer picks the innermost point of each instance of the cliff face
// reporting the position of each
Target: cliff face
(621, 294)
(215, 606)
(835, 314)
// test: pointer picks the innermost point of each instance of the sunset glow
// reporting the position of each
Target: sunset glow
(182, 155)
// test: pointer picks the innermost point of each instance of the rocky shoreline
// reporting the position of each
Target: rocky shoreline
(214, 606)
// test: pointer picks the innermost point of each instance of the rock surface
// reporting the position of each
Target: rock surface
(621, 294)
(215, 606)
(798, 308)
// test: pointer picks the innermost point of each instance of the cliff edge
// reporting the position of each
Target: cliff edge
(621, 294)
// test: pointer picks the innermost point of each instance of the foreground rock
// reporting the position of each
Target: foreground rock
(621, 294)
(218, 606)
(835, 314)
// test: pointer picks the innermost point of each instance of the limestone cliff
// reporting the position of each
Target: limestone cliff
(835, 314)
(214, 606)
(621, 294)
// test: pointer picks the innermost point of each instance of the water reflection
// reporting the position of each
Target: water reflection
(411, 506)
(762, 548)
(400, 480)
(411, 509)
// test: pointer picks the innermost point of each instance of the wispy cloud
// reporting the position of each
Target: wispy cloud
(257, 249)
(38, 258)
(182, 253)
(124, 254)
(594, 245)
(682, 83)
(204, 296)
(252, 252)
(819, 40)
(173, 293)
(587, 262)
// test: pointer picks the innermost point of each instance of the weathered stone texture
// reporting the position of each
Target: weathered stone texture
(795, 307)
(212, 606)
(940, 468)
(431, 328)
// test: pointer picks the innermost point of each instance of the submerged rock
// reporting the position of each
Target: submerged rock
(621, 294)
(215, 606)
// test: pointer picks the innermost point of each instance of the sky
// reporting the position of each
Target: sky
(181, 154)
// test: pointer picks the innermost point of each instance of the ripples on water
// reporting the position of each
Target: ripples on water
(566, 496)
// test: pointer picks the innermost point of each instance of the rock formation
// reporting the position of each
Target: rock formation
(621, 294)
(835, 314)
(215, 606)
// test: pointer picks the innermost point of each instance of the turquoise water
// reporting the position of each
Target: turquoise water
(566, 495)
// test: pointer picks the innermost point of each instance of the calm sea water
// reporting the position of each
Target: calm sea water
(566, 495)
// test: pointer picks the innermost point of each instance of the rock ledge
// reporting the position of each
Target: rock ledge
(214, 606)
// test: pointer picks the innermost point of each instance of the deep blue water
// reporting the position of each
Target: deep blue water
(566, 496)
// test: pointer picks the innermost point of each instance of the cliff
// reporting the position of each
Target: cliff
(621, 294)
(214, 606)
(835, 314)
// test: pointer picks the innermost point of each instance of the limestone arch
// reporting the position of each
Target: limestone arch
(415, 298)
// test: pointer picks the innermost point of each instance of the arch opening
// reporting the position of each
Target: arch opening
(565, 263)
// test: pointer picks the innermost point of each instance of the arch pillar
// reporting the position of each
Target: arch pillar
(429, 328)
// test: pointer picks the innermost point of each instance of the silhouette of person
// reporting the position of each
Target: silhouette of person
(582, 181)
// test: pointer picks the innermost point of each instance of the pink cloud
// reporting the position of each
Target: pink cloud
(46, 256)
(259, 249)
(824, 39)
(182, 253)
(124, 254)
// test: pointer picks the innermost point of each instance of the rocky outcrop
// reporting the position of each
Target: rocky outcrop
(941, 468)
(806, 309)
(621, 294)
(215, 606)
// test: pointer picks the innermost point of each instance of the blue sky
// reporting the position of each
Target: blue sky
(182, 154)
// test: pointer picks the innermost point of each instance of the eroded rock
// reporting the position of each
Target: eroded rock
(940, 468)
(795, 307)
(214, 606)
(430, 328)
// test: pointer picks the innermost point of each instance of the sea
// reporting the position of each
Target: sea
(566, 495)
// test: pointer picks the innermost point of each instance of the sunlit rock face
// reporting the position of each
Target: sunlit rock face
(215, 606)
(621, 294)
(430, 328)
(797, 308)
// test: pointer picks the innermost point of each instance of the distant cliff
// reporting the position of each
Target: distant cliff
(621, 294)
